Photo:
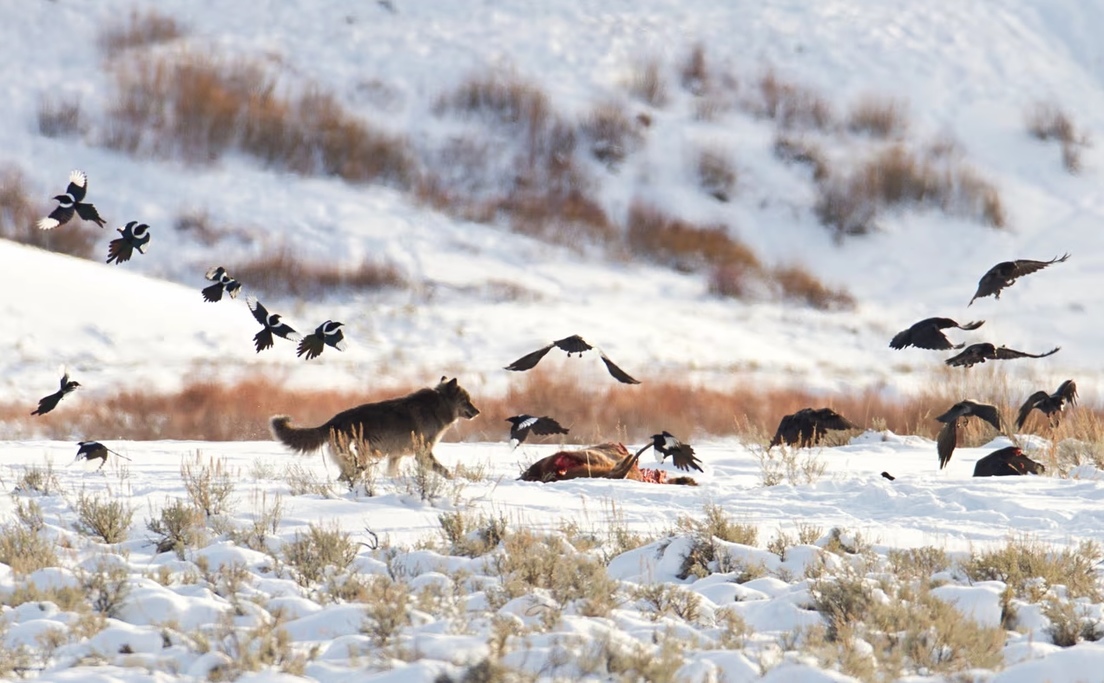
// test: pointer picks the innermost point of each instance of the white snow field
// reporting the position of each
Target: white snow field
(170, 621)
(965, 72)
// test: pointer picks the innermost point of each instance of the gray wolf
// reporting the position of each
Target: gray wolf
(392, 428)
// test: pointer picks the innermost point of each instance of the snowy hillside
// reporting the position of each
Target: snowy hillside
(967, 73)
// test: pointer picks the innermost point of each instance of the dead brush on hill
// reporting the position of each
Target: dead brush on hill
(138, 29)
(851, 201)
(281, 272)
(1048, 121)
(200, 107)
(519, 164)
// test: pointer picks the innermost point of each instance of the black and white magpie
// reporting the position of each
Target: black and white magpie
(682, 454)
(70, 202)
(134, 236)
(223, 283)
(523, 424)
(273, 325)
(328, 333)
(48, 403)
(94, 450)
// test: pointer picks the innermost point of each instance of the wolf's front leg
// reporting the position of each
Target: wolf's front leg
(428, 459)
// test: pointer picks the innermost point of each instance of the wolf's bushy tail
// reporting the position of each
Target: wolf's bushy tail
(301, 439)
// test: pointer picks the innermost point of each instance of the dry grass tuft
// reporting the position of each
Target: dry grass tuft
(524, 170)
(694, 72)
(896, 177)
(1031, 568)
(791, 105)
(139, 29)
(199, 108)
(796, 283)
(281, 272)
(799, 150)
(19, 212)
(611, 133)
(715, 172)
(1048, 121)
(647, 82)
(652, 234)
(60, 116)
(878, 117)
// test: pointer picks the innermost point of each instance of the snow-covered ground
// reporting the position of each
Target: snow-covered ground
(966, 71)
(171, 604)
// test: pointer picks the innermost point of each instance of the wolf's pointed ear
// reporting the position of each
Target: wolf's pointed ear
(443, 379)
(451, 383)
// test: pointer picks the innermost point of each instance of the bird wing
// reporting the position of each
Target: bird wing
(787, 431)
(119, 251)
(546, 425)
(901, 339)
(972, 325)
(931, 337)
(954, 412)
(286, 331)
(88, 212)
(232, 288)
(529, 360)
(1028, 406)
(260, 313)
(966, 358)
(214, 273)
(1005, 353)
(684, 458)
(573, 344)
(213, 292)
(618, 374)
(78, 185)
(311, 346)
(946, 441)
(1022, 267)
(987, 412)
(339, 344)
(59, 216)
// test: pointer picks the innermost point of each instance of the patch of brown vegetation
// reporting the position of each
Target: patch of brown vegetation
(878, 116)
(199, 107)
(282, 272)
(896, 176)
(595, 411)
(1047, 121)
(790, 104)
(138, 29)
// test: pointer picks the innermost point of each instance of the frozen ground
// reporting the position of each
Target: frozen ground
(923, 507)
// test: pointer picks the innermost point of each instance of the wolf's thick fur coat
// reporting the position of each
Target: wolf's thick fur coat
(392, 428)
